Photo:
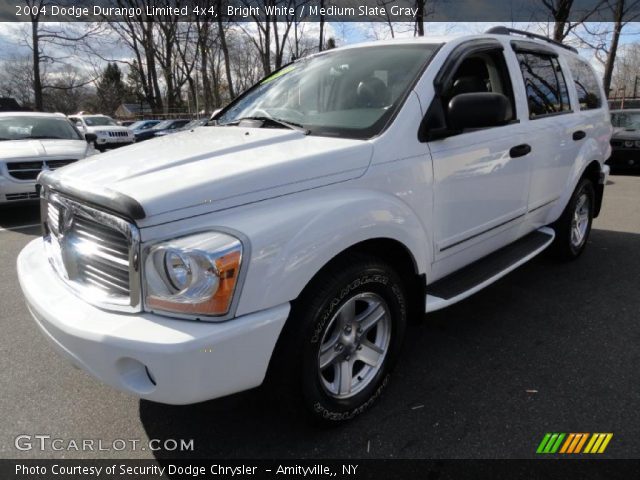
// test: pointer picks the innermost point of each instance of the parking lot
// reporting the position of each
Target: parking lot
(550, 348)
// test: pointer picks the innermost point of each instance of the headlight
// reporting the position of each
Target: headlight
(628, 143)
(193, 275)
(637, 142)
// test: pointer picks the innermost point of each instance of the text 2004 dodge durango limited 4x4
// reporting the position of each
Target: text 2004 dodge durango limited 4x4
(290, 238)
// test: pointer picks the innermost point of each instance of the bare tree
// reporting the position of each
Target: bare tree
(60, 36)
(624, 11)
(563, 10)
(138, 33)
(15, 74)
(225, 50)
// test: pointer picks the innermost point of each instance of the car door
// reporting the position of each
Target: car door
(555, 130)
(481, 177)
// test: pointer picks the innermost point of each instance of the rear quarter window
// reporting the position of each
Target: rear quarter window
(586, 84)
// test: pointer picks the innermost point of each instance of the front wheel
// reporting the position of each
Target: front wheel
(574, 226)
(343, 337)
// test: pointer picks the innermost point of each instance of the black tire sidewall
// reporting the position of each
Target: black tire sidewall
(585, 186)
(375, 279)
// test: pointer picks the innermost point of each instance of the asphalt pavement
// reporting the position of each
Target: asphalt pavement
(552, 347)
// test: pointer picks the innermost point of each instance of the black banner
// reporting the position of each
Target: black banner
(319, 469)
(306, 10)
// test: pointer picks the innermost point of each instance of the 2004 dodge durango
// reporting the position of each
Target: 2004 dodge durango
(293, 235)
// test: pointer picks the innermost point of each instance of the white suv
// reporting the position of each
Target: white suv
(31, 143)
(108, 133)
(334, 199)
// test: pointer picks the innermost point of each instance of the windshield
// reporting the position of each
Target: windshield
(350, 93)
(25, 128)
(142, 124)
(163, 124)
(626, 120)
(99, 121)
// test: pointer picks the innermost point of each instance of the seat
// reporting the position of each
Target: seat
(372, 93)
(469, 84)
(44, 129)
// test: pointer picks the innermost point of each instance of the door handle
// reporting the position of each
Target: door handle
(579, 135)
(520, 150)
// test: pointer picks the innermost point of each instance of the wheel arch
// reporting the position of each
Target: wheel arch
(592, 172)
(388, 250)
(589, 169)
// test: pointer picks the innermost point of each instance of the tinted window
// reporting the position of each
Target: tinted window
(586, 84)
(544, 83)
(98, 121)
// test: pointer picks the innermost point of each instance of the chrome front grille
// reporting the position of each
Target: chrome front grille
(29, 170)
(118, 134)
(94, 252)
(107, 265)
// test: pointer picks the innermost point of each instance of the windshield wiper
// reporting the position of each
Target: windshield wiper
(44, 137)
(275, 121)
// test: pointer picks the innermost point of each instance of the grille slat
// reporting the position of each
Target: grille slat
(107, 244)
(118, 134)
(103, 265)
(121, 281)
(105, 283)
(29, 170)
(94, 250)
(99, 231)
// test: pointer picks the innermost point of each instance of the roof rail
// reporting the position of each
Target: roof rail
(513, 31)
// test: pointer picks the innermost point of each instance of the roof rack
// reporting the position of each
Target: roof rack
(513, 31)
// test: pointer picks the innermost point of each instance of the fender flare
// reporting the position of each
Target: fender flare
(328, 224)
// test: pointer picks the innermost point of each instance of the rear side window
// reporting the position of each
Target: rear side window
(544, 83)
(586, 84)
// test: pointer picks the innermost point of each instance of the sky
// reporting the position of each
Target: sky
(13, 43)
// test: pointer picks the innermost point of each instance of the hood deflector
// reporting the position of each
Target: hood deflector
(100, 197)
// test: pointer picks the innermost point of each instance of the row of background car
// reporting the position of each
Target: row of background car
(31, 142)
(110, 135)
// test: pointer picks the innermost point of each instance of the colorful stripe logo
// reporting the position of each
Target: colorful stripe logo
(574, 443)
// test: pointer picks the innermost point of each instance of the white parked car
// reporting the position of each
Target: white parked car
(334, 199)
(108, 133)
(31, 143)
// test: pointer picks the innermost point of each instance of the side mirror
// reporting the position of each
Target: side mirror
(90, 137)
(478, 110)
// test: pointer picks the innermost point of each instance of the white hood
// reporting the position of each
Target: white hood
(42, 149)
(212, 168)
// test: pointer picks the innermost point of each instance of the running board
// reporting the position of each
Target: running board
(482, 273)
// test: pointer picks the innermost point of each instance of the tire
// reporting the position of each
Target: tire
(574, 225)
(332, 355)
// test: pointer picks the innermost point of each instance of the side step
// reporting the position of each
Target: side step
(482, 273)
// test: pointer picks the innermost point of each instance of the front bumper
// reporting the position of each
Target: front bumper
(153, 357)
(624, 158)
(15, 191)
(113, 142)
